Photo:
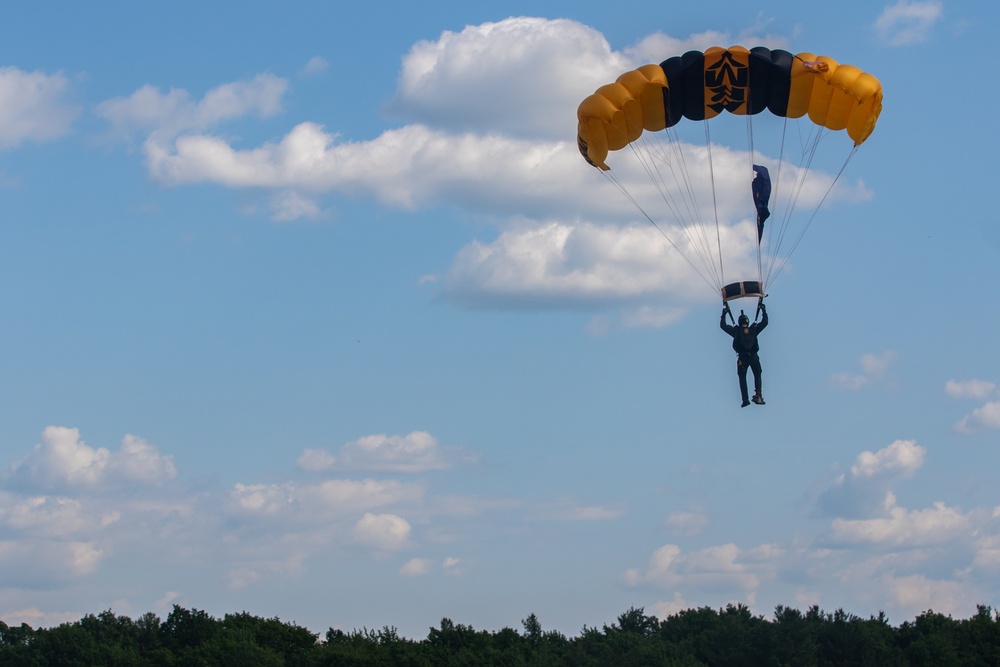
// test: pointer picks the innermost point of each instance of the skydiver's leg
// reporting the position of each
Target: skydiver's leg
(741, 369)
(755, 367)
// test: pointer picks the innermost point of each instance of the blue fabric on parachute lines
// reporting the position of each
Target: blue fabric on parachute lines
(761, 186)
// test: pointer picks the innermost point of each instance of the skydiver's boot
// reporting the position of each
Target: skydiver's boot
(745, 402)
(758, 399)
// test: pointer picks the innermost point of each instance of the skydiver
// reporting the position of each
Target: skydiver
(746, 346)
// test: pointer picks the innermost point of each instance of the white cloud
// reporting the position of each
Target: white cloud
(873, 369)
(312, 503)
(45, 516)
(900, 459)
(970, 388)
(914, 568)
(710, 568)
(676, 605)
(908, 21)
(658, 47)
(316, 65)
(33, 107)
(415, 567)
(315, 460)
(412, 453)
(415, 452)
(904, 528)
(864, 491)
(290, 205)
(406, 167)
(521, 76)
(984, 418)
(62, 460)
(139, 461)
(166, 115)
(916, 594)
(581, 264)
(686, 523)
(387, 532)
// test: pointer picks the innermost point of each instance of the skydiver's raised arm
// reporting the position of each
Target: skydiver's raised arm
(722, 322)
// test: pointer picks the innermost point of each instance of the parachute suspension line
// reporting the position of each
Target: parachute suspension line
(691, 225)
(684, 221)
(613, 178)
(809, 148)
(697, 230)
(715, 205)
(650, 153)
(781, 265)
(775, 195)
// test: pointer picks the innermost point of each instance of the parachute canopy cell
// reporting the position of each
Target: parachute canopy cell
(700, 85)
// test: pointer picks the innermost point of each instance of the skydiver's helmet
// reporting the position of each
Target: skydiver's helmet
(744, 320)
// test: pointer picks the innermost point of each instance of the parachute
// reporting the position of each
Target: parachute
(804, 97)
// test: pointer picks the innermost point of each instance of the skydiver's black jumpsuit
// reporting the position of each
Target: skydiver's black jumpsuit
(746, 346)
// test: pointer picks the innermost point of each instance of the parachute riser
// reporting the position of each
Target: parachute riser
(756, 317)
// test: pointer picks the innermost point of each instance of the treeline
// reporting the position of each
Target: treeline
(730, 637)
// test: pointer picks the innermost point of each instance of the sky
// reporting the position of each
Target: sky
(314, 310)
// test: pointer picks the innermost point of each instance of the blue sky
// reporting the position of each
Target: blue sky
(315, 311)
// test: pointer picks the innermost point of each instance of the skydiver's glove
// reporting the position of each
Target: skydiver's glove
(763, 308)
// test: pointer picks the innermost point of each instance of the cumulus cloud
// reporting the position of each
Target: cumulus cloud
(666, 608)
(168, 114)
(891, 557)
(412, 453)
(916, 593)
(310, 503)
(521, 76)
(415, 452)
(908, 21)
(34, 106)
(984, 418)
(970, 388)
(46, 517)
(62, 460)
(583, 264)
(658, 46)
(873, 369)
(718, 567)
(407, 167)
(903, 528)
(387, 532)
(315, 460)
(864, 491)
(316, 65)
(415, 567)
(291, 205)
